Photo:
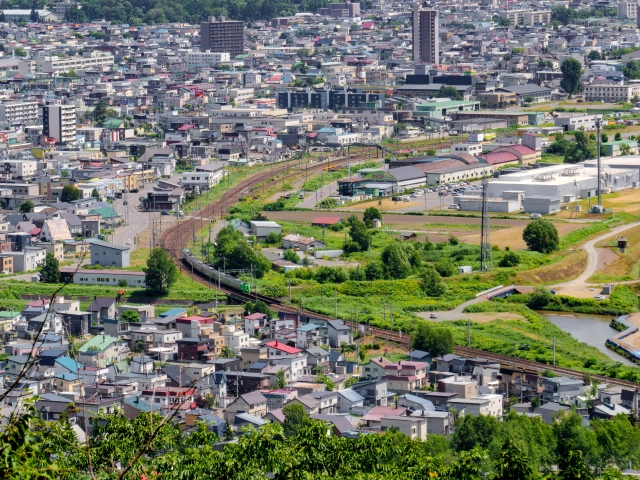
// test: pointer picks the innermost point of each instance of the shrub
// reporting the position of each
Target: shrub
(509, 259)
(445, 268)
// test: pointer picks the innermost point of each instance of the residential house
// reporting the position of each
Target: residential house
(109, 254)
(253, 403)
(102, 308)
(349, 401)
(100, 351)
(339, 333)
(374, 392)
(413, 427)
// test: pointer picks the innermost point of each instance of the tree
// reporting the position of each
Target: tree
(70, 193)
(509, 259)
(322, 378)
(370, 214)
(617, 137)
(529, 99)
(594, 55)
(540, 298)
(503, 22)
(473, 431)
(50, 271)
(33, 16)
(123, 283)
(374, 271)
(449, 92)
(290, 255)
(95, 194)
(625, 149)
(431, 282)
(541, 236)
(435, 340)
(573, 467)
(258, 307)
(160, 272)
(359, 234)
(632, 70)
(572, 436)
(233, 252)
(560, 146)
(226, 352)
(619, 441)
(26, 207)
(130, 316)
(445, 268)
(228, 433)
(295, 417)
(395, 261)
(604, 137)
(513, 463)
(431, 152)
(571, 76)
(583, 148)
(281, 381)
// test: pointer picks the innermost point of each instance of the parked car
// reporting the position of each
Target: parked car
(454, 207)
(433, 315)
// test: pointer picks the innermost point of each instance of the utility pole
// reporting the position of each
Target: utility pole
(554, 351)
(598, 142)
(336, 303)
(469, 333)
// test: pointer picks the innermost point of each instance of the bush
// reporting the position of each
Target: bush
(445, 268)
(374, 271)
(291, 256)
(330, 275)
(351, 247)
(357, 274)
(273, 238)
(509, 259)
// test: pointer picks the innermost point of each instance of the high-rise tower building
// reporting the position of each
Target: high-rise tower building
(222, 36)
(426, 41)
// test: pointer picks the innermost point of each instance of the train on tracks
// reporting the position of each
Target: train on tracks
(212, 274)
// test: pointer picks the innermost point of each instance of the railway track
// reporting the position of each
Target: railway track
(175, 239)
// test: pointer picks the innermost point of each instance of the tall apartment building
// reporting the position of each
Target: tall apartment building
(59, 122)
(627, 9)
(426, 41)
(222, 36)
(25, 113)
(527, 16)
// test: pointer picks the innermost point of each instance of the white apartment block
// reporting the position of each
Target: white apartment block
(19, 112)
(469, 148)
(48, 64)
(627, 9)
(18, 169)
(527, 17)
(195, 59)
(612, 93)
(202, 180)
(59, 122)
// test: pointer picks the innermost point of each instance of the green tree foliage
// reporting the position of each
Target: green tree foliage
(370, 214)
(448, 92)
(130, 316)
(431, 282)
(281, 380)
(233, 252)
(509, 259)
(513, 464)
(560, 146)
(290, 255)
(161, 272)
(604, 137)
(258, 307)
(474, 432)
(445, 268)
(331, 275)
(322, 378)
(618, 136)
(273, 239)
(359, 234)
(295, 418)
(26, 206)
(571, 436)
(571, 76)
(618, 440)
(70, 193)
(632, 70)
(540, 298)
(50, 271)
(541, 236)
(503, 22)
(436, 341)
(573, 467)
(562, 15)
(95, 194)
(583, 148)
(395, 261)
(357, 274)
(374, 271)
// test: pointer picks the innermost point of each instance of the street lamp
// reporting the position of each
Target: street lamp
(598, 141)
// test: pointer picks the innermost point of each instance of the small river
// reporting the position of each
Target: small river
(590, 329)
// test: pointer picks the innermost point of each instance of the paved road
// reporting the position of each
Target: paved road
(592, 259)
(312, 198)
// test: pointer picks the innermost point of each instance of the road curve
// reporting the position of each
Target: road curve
(592, 257)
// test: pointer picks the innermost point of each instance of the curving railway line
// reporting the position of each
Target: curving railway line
(178, 237)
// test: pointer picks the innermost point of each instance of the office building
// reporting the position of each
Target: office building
(425, 34)
(196, 59)
(59, 122)
(627, 9)
(222, 36)
(50, 64)
(341, 10)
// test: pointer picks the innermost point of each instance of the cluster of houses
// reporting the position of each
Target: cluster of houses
(241, 370)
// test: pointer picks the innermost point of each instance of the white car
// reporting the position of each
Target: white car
(454, 207)
(128, 241)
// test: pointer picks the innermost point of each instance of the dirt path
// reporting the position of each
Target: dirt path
(593, 258)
